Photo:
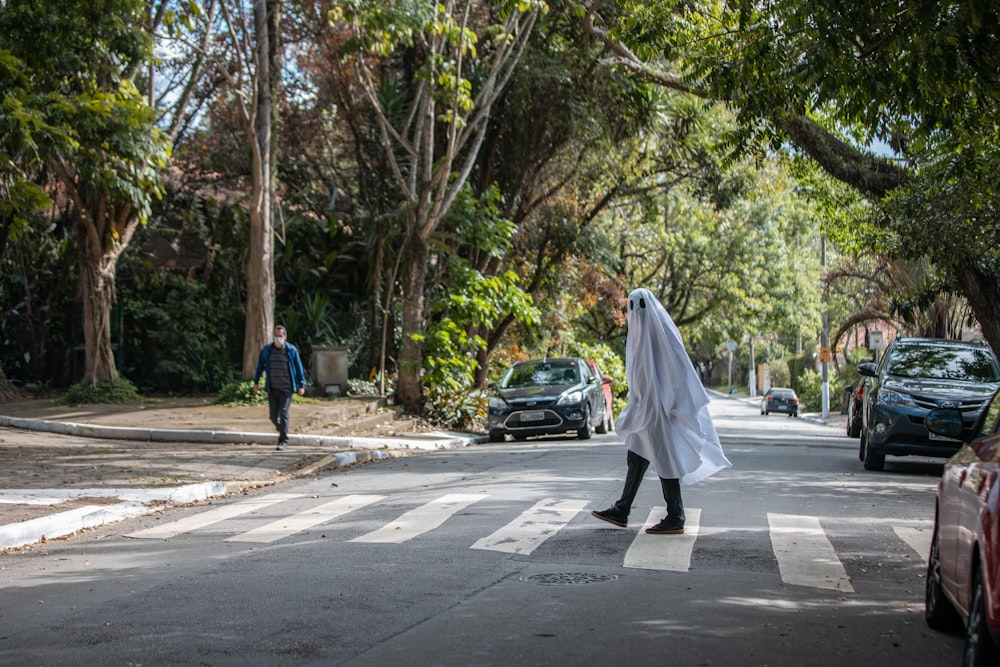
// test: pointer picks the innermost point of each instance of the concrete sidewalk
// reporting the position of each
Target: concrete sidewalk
(64, 469)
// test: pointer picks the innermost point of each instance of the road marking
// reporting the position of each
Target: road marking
(194, 522)
(421, 519)
(805, 556)
(532, 527)
(919, 539)
(664, 552)
(306, 519)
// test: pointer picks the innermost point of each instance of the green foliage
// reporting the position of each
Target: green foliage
(180, 284)
(241, 393)
(466, 299)
(798, 366)
(611, 365)
(357, 387)
(116, 391)
(780, 376)
(459, 410)
(809, 388)
(36, 299)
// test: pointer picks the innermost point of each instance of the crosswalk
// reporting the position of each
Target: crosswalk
(801, 544)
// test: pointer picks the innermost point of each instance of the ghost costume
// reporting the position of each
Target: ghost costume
(666, 422)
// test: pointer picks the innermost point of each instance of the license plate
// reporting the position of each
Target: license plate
(533, 416)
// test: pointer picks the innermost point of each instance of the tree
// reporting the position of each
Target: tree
(94, 132)
(456, 59)
(834, 79)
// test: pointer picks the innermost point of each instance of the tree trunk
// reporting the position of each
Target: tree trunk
(97, 287)
(982, 290)
(260, 261)
(408, 389)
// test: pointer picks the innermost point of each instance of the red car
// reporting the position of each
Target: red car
(609, 420)
(963, 571)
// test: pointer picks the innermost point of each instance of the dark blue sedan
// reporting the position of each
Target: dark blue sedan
(547, 397)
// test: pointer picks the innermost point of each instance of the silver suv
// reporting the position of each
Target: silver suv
(915, 376)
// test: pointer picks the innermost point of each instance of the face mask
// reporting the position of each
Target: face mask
(279, 341)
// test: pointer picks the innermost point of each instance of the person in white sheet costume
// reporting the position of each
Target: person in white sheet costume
(666, 421)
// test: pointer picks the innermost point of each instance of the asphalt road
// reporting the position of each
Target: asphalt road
(488, 556)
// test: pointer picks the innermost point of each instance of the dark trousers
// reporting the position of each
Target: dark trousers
(280, 403)
(671, 488)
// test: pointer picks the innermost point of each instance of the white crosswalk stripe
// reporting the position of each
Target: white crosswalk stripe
(305, 520)
(805, 555)
(532, 528)
(662, 552)
(194, 522)
(800, 544)
(421, 519)
(919, 539)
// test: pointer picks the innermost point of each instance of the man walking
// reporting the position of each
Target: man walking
(283, 365)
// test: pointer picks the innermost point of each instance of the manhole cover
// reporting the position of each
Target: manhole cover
(568, 578)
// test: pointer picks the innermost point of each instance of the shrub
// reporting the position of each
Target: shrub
(810, 391)
(241, 393)
(115, 391)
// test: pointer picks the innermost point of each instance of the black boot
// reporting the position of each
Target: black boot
(673, 523)
(618, 513)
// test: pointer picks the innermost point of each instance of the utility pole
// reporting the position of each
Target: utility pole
(824, 347)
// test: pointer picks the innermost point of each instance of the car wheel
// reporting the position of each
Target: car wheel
(586, 431)
(853, 428)
(979, 647)
(938, 610)
(496, 436)
(603, 426)
(871, 459)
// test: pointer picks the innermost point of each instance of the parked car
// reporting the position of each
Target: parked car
(609, 398)
(914, 376)
(854, 404)
(546, 397)
(963, 571)
(780, 399)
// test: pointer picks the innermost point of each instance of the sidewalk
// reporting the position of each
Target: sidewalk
(67, 468)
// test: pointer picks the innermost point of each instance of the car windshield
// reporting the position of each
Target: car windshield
(944, 362)
(531, 374)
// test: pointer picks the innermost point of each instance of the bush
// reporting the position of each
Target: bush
(241, 393)
(460, 410)
(810, 391)
(116, 391)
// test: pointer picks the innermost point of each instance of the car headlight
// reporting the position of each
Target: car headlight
(497, 403)
(570, 398)
(890, 397)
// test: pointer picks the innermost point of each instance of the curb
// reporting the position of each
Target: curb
(139, 501)
(417, 441)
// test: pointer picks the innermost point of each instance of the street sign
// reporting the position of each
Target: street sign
(731, 345)
(824, 355)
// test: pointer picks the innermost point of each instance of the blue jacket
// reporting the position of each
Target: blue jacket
(296, 372)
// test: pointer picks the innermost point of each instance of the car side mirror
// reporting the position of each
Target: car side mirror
(946, 422)
(868, 369)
